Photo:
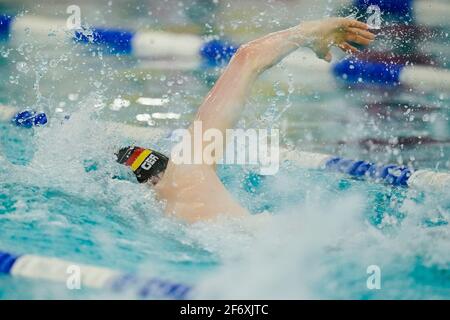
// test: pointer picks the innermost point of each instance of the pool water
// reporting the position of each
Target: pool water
(62, 194)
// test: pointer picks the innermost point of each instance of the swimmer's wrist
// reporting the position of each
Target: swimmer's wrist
(303, 35)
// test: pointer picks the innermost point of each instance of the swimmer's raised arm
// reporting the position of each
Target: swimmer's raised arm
(222, 107)
(194, 192)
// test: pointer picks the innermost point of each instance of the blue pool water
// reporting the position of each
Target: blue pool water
(324, 230)
(62, 194)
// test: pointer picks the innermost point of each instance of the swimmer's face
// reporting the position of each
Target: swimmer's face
(155, 179)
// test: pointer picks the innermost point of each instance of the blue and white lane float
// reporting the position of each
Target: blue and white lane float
(142, 44)
(26, 118)
(59, 271)
(195, 52)
(426, 12)
(392, 174)
(353, 71)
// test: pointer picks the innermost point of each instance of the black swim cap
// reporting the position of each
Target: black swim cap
(145, 163)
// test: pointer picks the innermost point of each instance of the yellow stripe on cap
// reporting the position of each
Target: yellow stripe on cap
(137, 163)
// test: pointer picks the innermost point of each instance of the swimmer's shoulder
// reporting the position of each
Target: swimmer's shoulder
(186, 176)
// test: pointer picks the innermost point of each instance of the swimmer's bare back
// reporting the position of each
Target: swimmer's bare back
(195, 192)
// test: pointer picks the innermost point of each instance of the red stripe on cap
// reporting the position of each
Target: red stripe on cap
(134, 156)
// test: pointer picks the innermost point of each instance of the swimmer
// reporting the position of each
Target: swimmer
(194, 192)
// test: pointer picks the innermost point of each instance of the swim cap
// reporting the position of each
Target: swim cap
(145, 163)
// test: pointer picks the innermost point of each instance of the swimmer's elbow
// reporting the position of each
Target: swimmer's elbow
(246, 58)
(254, 57)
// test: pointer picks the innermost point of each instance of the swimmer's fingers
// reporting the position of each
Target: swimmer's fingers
(351, 37)
(348, 48)
(325, 56)
(362, 33)
(352, 23)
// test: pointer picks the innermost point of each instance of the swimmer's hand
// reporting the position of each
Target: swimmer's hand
(323, 34)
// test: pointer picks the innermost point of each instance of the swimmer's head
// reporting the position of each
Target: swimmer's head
(147, 165)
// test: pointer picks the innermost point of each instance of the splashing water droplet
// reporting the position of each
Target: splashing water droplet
(22, 67)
